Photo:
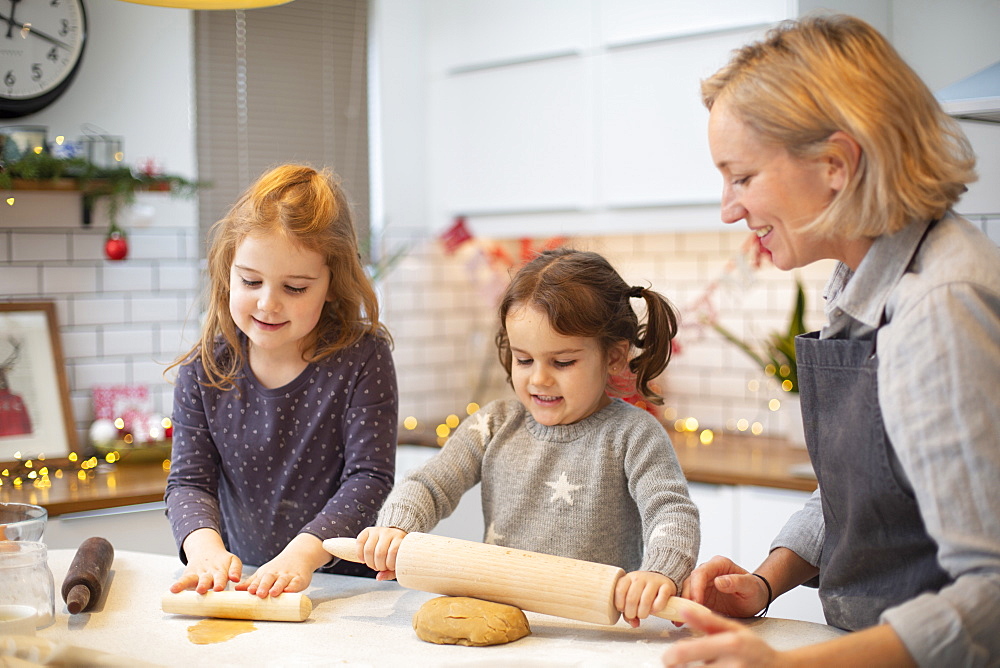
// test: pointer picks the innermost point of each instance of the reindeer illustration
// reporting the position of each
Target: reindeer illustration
(14, 418)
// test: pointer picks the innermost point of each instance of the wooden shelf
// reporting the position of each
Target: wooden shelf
(71, 185)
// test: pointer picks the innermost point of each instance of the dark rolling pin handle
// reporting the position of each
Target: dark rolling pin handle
(87, 575)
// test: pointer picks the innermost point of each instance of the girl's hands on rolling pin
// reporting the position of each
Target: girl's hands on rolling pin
(378, 546)
(290, 571)
(640, 593)
(210, 565)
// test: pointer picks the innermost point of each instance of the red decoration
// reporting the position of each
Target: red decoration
(131, 403)
(116, 245)
(455, 236)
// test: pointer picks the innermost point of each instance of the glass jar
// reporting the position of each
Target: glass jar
(27, 580)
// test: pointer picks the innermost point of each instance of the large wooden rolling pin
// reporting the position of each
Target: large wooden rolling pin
(287, 607)
(559, 586)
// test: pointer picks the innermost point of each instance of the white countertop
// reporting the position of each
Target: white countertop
(355, 622)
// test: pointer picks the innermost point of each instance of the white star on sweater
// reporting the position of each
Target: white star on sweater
(562, 489)
(481, 424)
(492, 537)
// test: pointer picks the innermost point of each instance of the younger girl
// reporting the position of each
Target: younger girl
(285, 411)
(565, 469)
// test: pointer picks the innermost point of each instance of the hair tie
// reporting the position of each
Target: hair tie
(770, 595)
(636, 291)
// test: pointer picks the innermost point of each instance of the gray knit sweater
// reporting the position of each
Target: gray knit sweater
(599, 489)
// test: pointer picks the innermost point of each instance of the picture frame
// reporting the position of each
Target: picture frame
(35, 411)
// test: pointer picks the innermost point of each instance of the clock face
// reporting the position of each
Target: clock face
(41, 45)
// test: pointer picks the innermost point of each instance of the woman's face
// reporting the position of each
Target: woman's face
(773, 191)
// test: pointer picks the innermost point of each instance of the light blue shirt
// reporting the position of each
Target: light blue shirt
(939, 393)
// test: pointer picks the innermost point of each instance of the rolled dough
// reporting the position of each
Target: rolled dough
(459, 620)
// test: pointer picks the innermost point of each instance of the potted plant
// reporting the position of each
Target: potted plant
(775, 355)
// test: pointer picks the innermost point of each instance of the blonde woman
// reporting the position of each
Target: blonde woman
(831, 147)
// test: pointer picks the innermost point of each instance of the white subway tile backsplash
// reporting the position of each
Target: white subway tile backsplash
(107, 370)
(177, 276)
(79, 343)
(708, 379)
(176, 339)
(145, 245)
(127, 341)
(156, 309)
(149, 371)
(19, 281)
(68, 279)
(89, 311)
(32, 247)
(88, 245)
(126, 276)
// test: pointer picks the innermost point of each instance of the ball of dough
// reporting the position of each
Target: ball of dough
(459, 620)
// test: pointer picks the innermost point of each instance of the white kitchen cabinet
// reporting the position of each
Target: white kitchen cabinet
(513, 138)
(466, 522)
(467, 34)
(635, 21)
(142, 528)
(740, 522)
(652, 125)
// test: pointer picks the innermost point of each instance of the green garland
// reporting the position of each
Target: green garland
(118, 184)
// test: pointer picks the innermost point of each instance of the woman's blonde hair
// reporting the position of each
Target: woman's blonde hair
(810, 78)
(309, 208)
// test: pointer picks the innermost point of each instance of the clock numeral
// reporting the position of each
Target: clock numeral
(53, 55)
(36, 71)
(9, 78)
(55, 3)
(64, 27)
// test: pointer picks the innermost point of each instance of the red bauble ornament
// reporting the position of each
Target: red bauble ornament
(115, 246)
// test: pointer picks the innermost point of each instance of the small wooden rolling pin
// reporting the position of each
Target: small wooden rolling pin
(87, 575)
(287, 607)
(559, 586)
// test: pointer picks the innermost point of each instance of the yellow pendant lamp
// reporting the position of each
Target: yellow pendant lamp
(210, 4)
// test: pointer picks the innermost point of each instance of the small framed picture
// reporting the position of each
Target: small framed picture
(35, 412)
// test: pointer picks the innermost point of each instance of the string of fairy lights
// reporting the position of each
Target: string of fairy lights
(38, 471)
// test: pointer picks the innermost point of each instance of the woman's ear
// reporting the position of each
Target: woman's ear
(843, 159)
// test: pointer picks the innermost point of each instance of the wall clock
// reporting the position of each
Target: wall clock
(41, 47)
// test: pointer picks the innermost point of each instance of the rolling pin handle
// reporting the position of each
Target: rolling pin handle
(675, 605)
(77, 598)
(344, 548)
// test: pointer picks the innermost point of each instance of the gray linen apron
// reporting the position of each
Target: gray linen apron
(876, 551)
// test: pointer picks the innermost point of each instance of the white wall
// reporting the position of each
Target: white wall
(135, 81)
(120, 321)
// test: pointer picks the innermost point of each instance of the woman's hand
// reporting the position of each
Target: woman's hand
(728, 643)
(210, 565)
(641, 593)
(377, 547)
(290, 571)
(724, 587)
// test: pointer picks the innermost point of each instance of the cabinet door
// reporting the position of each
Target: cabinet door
(139, 528)
(472, 33)
(715, 508)
(760, 513)
(512, 139)
(466, 522)
(653, 126)
(631, 21)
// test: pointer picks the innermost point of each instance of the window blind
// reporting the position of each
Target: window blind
(281, 84)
